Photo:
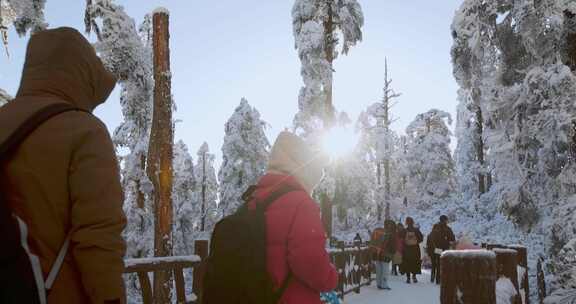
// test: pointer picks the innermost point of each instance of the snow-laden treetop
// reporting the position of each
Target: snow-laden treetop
(4, 97)
(310, 15)
(433, 120)
(161, 10)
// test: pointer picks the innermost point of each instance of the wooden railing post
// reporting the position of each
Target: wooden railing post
(523, 262)
(458, 286)
(146, 287)
(507, 264)
(201, 250)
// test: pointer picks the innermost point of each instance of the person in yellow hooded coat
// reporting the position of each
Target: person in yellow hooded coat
(64, 178)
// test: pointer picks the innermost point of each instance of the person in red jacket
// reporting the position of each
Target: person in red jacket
(296, 237)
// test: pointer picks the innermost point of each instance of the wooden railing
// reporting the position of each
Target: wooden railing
(176, 265)
(354, 267)
(353, 264)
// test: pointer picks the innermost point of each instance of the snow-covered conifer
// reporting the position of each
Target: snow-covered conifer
(185, 207)
(317, 25)
(25, 15)
(4, 97)
(206, 190)
(430, 164)
(245, 155)
(126, 52)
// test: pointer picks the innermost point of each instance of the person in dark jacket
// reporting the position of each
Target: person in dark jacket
(411, 257)
(397, 260)
(441, 239)
(357, 240)
(430, 248)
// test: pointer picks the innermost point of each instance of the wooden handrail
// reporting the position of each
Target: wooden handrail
(175, 264)
(160, 263)
(355, 258)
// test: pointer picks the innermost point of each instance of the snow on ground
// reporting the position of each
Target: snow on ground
(401, 293)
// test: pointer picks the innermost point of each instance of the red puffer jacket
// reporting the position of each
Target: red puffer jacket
(296, 241)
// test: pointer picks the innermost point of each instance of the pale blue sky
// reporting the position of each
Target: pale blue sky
(228, 49)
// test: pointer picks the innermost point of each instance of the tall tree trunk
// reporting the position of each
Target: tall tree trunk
(203, 219)
(329, 51)
(387, 188)
(379, 187)
(140, 199)
(386, 143)
(326, 207)
(480, 150)
(160, 154)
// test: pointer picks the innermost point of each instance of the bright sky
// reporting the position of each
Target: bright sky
(228, 49)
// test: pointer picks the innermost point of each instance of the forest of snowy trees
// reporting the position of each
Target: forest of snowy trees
(511, 178)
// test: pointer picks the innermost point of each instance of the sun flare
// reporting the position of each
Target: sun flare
(338, 142)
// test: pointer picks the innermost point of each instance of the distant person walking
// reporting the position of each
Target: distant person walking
(440, 239)
(383, 246)
(63, 180)
(411, 257)
(430, 248)
(357, 240)
(397, 259)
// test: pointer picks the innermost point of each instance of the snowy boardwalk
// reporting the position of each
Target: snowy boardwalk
(401, 293)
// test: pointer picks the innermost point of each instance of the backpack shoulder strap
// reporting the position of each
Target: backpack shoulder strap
(31, 124)
(261, 207)
(274, 196)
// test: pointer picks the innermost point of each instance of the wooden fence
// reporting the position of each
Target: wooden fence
(352, 263)
(354, 267)
(174, 265)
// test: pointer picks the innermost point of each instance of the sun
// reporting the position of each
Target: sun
(339, 142)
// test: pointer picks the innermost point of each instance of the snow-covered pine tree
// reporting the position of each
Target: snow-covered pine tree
(317, 24)
(382, 137)
(430, 164)
(245, 156)
(206, 190)
(127, 53)
(4, 97)
(519, 58)
(185, 207)
(469, 155)
(25, 15)
(354, 191)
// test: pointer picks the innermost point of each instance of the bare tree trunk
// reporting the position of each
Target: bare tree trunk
(480, 150)
(160, 154)
(203, 219)
(387, 188)
(326, 207)
(140, 199)
(329, 52)
(379, 187)
(540, 278)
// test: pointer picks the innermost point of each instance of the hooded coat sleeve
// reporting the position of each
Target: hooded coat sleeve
(307, 256)
(97, 217)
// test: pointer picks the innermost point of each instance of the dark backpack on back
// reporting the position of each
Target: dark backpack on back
(21, 278)
(236, 267)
